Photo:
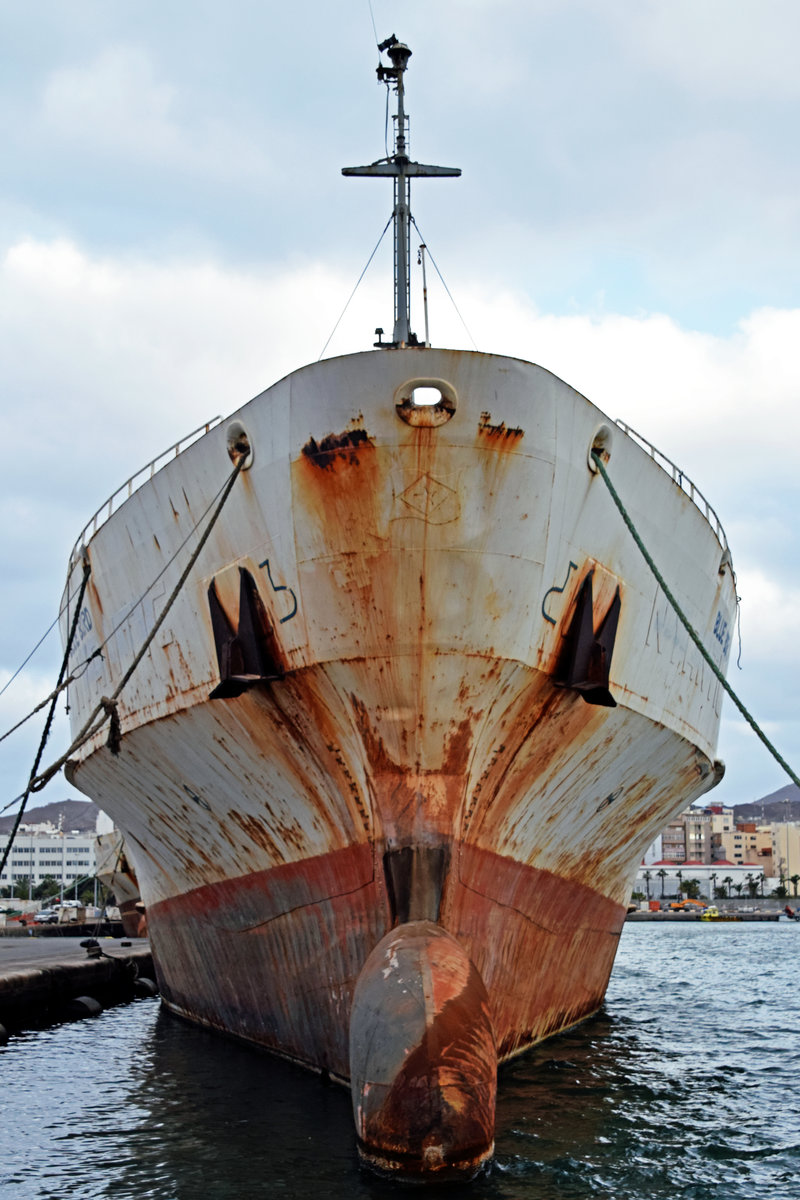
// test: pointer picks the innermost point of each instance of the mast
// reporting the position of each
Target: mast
(399, 167)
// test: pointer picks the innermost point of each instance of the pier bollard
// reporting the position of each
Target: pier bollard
(423, 1059)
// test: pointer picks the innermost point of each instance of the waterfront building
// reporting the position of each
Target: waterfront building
(44, 851)
(722, 819)
(666, 880)
(673, 841)
(654, 852)
(697, 826)
(746, 843)
(692, 836)
(786, 852)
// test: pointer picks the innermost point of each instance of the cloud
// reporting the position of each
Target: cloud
(769, 613)
(740, 51)
(114, 103)
(29, 689)
(712, 403)
(118, 108)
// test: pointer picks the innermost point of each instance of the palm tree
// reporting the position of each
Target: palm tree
(737, 887)
(713, 879)
(729, 880)
(662, 875)
(794, 880)
(646, 877)
(679, 877)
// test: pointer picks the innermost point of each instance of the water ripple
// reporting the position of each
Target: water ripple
(680, 1089)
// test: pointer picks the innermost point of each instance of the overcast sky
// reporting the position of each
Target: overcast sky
(175, 235)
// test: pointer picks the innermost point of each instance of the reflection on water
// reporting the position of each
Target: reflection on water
(684, 1086)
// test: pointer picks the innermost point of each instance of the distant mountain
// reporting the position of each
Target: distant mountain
(77, 814)
(773, 806)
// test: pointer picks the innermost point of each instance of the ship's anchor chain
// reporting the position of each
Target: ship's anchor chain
(107, 708)
(684, 620)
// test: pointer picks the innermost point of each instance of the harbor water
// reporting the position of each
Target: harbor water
(685, 1085)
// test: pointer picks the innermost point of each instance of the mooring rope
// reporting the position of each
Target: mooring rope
(53, 695)
(684, 620)
(48, 723)
(29, 656)
(82, 666)
(106, 709)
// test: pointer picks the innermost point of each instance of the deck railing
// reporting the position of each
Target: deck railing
(136, 480)
(683, 481)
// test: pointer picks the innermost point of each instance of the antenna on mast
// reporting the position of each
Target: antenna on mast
(399, 167)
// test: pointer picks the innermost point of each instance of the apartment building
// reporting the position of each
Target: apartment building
(746, 842)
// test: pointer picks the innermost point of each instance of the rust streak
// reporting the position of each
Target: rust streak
(342, 447)
(498, 432)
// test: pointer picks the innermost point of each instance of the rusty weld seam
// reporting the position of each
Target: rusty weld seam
(554, 931)
(93, 725)
(296, 908)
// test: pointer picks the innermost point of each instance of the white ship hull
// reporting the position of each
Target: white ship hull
(412, 754)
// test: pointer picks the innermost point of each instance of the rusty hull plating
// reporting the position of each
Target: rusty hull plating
(420, 698)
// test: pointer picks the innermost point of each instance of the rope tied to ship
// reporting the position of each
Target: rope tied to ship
(56, 692)
(684, 620)
(107, 708)
(87, 568)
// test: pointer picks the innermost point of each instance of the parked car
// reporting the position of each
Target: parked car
(45, 916)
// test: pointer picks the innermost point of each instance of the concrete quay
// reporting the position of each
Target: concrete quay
(684, 918)
(45, 980)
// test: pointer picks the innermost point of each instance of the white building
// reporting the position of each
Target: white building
(42, 851)
(664, 879)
